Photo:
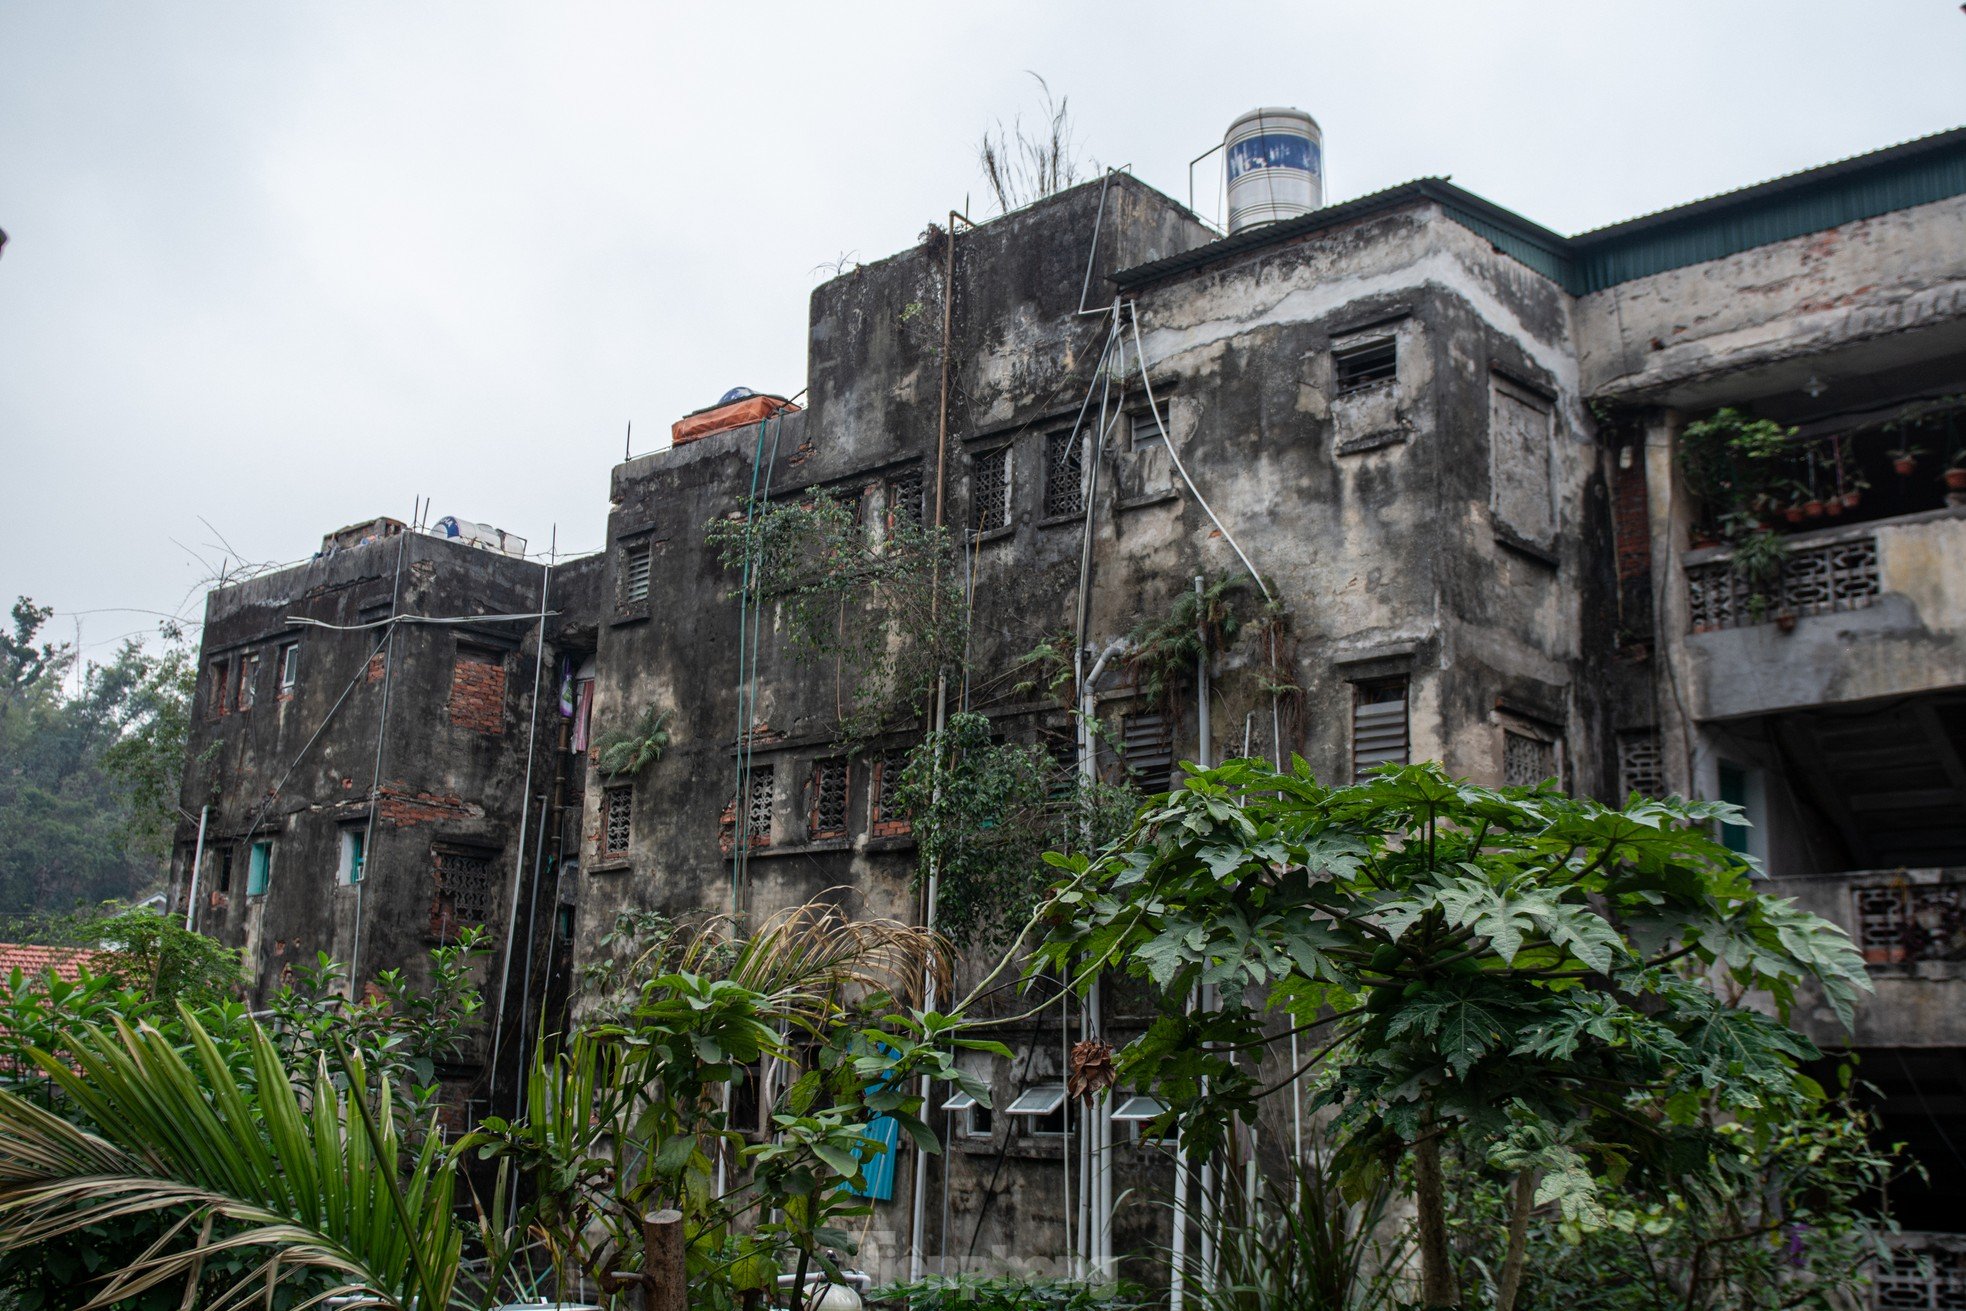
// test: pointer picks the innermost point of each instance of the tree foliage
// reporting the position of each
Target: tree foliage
(879, 594)
(985, 813)
(89, 779)
(1531, 970)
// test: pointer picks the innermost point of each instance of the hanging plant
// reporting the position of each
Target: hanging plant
(1197, 625)
(623, 753)
(1905, 460)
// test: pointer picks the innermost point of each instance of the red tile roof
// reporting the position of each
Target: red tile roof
(63, 962)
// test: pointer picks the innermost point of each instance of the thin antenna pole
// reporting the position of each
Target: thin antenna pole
(525, 813)
(628, 443)
(365, 858)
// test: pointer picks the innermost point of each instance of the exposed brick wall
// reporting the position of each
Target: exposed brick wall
(478, 694)
(375, 667)
(1632, 529)
(398, 807)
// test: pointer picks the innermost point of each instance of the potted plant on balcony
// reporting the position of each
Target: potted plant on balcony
(1905, 460)
(1758, 559)
(1732, 462)
(1852, 493)
(1955, 471)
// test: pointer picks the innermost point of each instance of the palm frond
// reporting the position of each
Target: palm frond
(300, 1176)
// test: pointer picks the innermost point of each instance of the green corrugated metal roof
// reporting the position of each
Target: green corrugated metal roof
(1899, 177)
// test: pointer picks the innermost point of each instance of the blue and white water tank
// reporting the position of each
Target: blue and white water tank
(1275, 162)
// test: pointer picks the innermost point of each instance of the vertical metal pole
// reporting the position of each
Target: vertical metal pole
(197, 863)
(918, 1202)
(1177, 1273)
(525, 813)
(361, 871)
(1201, 679)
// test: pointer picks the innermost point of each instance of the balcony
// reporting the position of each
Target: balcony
(1870, 610)
(1924, 1272)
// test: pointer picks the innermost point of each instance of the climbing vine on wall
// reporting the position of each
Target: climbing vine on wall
(879, 594)
(1209, 624)
(985, 823)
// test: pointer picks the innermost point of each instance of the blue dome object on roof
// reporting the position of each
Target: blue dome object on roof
(736, 394)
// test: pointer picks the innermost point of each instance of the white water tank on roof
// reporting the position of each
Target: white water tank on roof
(1275, 163)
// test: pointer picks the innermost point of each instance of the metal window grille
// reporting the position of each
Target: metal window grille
(1814, 580)
(1368, 362)
(1921, 1274)
(1378, 726)
(1899, 922)
(759, 803)
(829, 798)
(887, 785)
(1064, 473)
(1526, 761)
(463, 893)
(1641, 764)
(619, 827)
(1144, 428)
(989, 490)
(1149, 750)
(635, 573)
(904, 497)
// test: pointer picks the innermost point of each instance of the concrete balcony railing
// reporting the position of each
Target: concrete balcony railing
(1867, 611)
(1925, 1272)
(1819, 577)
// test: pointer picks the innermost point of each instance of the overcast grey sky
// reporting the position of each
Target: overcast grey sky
(283, 266)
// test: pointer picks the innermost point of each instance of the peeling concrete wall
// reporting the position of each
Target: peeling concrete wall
(1699, 334)
(295, 768)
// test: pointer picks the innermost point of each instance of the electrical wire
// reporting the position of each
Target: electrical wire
(1140, 352)
(302, 621)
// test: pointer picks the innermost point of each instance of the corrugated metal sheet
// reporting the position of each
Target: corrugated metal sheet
(1898, 177)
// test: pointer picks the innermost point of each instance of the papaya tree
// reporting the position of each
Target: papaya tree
(1551, 979)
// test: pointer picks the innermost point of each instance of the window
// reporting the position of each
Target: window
(289, 668)
(248, 680)
(1641, 764)
(989, 490)
(218, 684)
(1378, 725)
(259, 869)
(1526, 760)
(1136, 1112)
(1735, 791)
(618, 819)
(224, 877)
(760, 797)
(1359, 365)
(904, 497)
(1519, 423)
(827, 818)
(1145, 429)
(633, 580)
(1064, 473)
(1148, 749)
(887, 818)
(1041, 1110)
(969, 1118)
(563, 925)
(461, 890)
(352, 842)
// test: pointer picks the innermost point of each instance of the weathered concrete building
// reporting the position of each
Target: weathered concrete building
(362, 737)
(1449, 444)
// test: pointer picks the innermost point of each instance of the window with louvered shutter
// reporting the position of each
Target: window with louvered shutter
(1149, 750)
(634, 579)
(1378, 725)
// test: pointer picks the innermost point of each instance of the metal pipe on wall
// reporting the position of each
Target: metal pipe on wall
(197, 863)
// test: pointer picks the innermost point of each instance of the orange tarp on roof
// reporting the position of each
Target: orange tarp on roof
(720, 418)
